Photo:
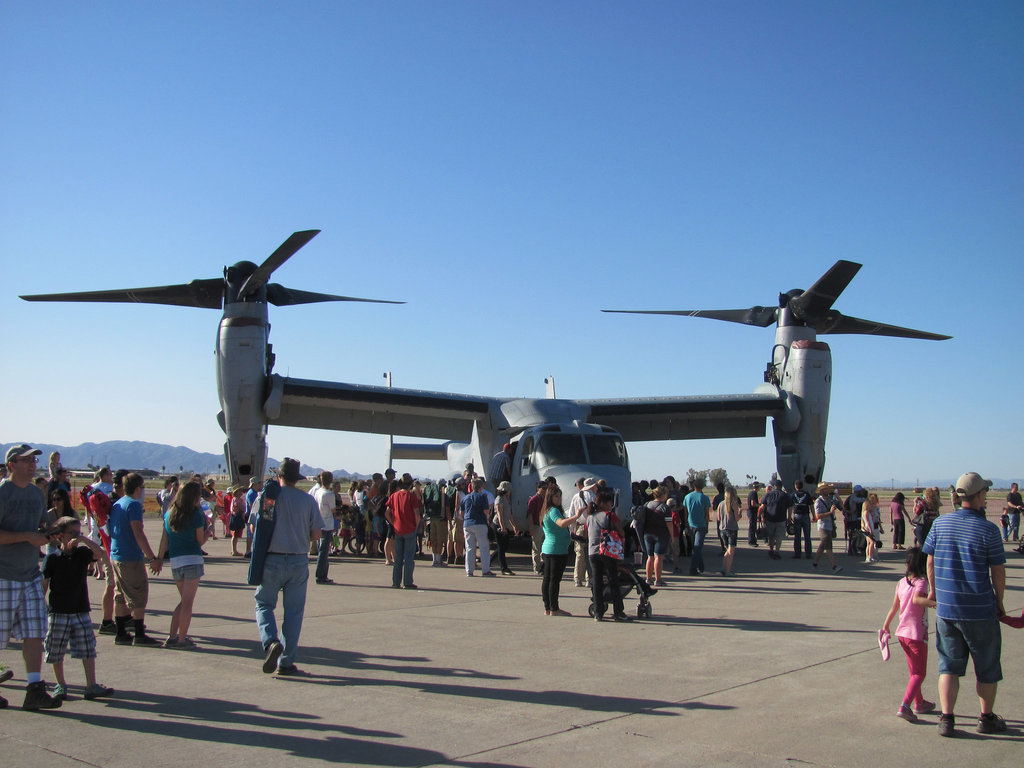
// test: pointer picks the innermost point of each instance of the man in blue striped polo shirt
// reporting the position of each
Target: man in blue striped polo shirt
(966, 578)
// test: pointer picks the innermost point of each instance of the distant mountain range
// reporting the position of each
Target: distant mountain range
(136, 454)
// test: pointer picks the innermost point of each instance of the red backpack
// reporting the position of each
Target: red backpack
(100, 505)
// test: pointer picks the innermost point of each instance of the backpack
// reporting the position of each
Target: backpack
(801, 503)
(99, 503)
(432, 501)
(265, 520)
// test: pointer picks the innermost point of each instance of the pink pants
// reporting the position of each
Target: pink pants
(917, 662)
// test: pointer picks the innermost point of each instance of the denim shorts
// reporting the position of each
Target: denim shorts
(188, 572)
(655, 545)
(728, 538)
(981, 640)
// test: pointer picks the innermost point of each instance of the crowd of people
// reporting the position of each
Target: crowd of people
(467, 521)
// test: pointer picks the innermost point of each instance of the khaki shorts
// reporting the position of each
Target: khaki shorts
(438, 531)
(131, 584)
(455, 532)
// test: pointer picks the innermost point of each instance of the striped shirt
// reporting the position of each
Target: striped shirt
(964, 546)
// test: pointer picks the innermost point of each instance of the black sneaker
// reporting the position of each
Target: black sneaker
(990, 722)
(124, 639)
(145, 641)
(947, 726)
(3, 703)
(37, 698)
(287, 670)
(273, 653)
(108, 628)
(96, 691)
(6, 675)
(620, 617)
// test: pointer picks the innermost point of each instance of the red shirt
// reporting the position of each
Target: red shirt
(533, 508)
(403, 507)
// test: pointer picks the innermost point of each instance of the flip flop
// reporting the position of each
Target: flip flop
(1017, 622)
(883, 643)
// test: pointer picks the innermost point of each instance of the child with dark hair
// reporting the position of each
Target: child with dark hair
(910, 602)
(69, 620)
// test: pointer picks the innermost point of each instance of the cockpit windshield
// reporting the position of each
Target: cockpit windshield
(607, 449)
(555, 448)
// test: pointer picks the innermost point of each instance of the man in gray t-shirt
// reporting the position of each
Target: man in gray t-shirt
(286, 571)
(22, 607)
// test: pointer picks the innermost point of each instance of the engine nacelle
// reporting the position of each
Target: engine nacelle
(241, 380)
(803, 367)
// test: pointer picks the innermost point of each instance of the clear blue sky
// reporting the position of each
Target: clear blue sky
(519, 166)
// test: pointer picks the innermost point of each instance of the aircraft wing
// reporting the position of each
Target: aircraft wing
(375, 409)
(686, 418)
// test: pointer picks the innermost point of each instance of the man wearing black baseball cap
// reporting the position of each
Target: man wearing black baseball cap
(22, 606)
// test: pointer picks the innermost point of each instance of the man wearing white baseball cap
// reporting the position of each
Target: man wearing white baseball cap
(966, 578)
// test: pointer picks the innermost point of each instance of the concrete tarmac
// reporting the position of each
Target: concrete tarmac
(777, 666)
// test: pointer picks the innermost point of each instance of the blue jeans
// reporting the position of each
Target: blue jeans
(802, 528)
(981, 641)
(1012, 531)
(323, 559)
(405, 558)
(697, 558)
(287, 574)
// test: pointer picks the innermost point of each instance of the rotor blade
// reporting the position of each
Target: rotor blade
(837, 322)
(759, 316)
(280, 296)
(197, 293)
(284, 252)
(819, 298)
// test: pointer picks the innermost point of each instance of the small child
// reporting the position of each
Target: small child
(69, 620)
(911, 602)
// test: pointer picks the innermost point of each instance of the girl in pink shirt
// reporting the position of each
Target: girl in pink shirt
(911, 603)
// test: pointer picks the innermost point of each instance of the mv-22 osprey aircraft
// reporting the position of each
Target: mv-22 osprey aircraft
(556, 437)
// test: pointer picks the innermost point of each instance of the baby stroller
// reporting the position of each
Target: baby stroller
(629, 580)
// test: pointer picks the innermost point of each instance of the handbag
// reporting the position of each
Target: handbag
(610, 543)
(265, 520)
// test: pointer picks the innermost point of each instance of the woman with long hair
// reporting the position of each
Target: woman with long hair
(184, 533)
(925, 514)
(554, 552)
(55, 465)
(870, 525)
(60, 506)
(728, 528)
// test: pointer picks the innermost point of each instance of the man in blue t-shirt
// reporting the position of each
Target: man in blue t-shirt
(130, 552)
(475, 510)
(697, 506)
(966, 578)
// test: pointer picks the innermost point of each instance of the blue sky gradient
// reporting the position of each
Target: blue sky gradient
(509, 169)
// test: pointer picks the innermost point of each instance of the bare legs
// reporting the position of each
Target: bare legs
(182, 616)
